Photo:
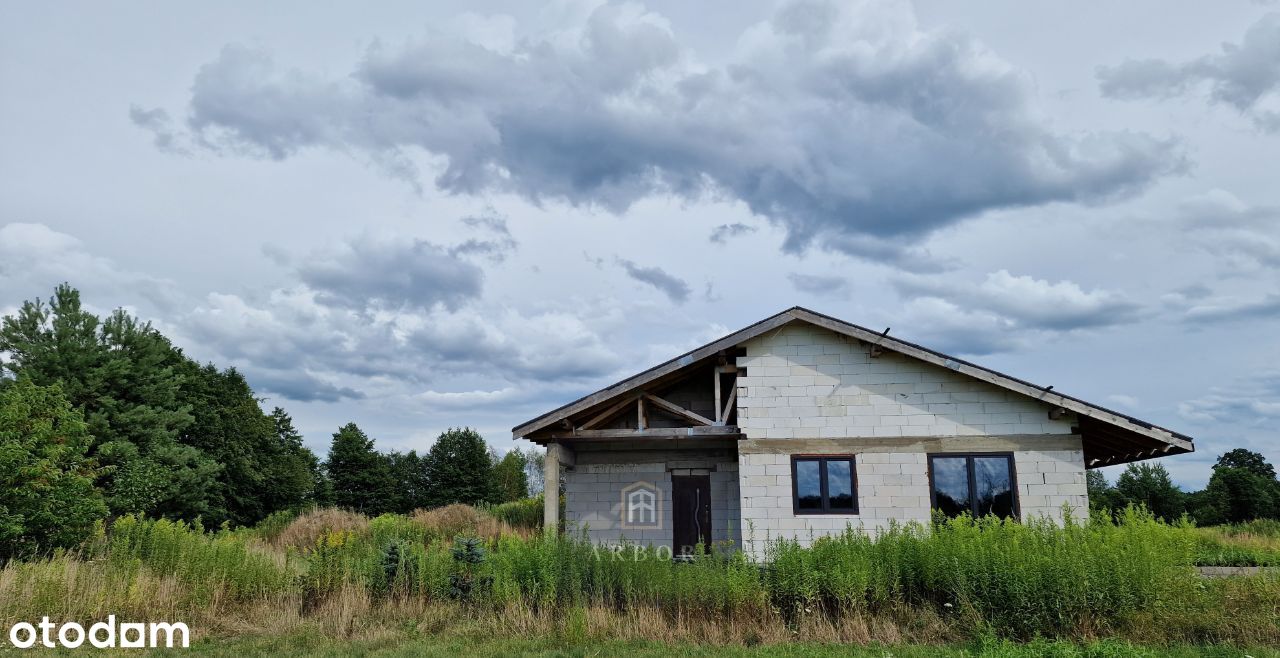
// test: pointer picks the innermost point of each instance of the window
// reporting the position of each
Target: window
(979, 484)
(824, 485)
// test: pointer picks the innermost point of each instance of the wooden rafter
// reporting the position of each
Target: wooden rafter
(605, 415)
(677, 410)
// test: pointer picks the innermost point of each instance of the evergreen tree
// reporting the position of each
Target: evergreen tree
(123, 375)
(359, 475)
(47, 497)
(459, 469)
(293, 471)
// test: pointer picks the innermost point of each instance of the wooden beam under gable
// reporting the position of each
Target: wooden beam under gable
(676, 410)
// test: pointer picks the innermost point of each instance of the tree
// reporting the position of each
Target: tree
(293, 475)
(359, 475)
(1150, 485)
(409, 472)
(1248, 460)
(1243, 487)
(459, 469)
(47, 497)
(123, 375)
(1101, 494)
(534, 462)
(509, 477)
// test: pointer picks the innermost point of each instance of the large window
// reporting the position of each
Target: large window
(979, 484)
(824, 485)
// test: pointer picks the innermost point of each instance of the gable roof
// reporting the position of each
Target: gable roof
(1150, 438)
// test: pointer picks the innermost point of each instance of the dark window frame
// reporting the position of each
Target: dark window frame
(973, 480)
(822, 483)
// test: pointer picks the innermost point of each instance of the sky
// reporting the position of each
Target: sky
(416, 216)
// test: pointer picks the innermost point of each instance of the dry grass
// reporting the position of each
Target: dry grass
(453, 520)
(307, 529)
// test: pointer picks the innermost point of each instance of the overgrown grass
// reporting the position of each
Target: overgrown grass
(347, 576)
(1252, 544)
(526, 513)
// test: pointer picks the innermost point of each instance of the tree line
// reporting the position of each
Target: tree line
(1243, 487)
(101, 417)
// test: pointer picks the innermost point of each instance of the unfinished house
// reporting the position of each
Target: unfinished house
(801, 425)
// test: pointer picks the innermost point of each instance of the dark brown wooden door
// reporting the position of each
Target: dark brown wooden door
(690, 513)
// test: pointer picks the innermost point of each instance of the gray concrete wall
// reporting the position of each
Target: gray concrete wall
(594, 491)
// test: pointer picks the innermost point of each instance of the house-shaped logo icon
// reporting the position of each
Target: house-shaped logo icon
(641, 507)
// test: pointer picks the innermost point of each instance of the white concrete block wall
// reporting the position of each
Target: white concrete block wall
(894, 486)
(1049, 479)
(805, 382)
(593, 501)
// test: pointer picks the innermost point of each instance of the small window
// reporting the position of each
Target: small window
(979, 484)
(824, 485)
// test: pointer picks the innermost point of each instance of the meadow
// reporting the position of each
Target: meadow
(335, 581)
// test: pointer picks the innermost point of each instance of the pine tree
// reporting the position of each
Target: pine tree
(459, 469)
(359, 475)
(122, 374)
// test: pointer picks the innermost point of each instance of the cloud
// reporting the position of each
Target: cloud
(724, 232)
(300, 386)
(164, 136)
(34, 259)
(1252, 401)
(815, 284)
(845, 123)
(1028, 303)
(1245, 238)
(296, 345)
(1266, 307)
(1244, 76)
(941, 325)
(1126, 401)
(670, 285)
(396, 272)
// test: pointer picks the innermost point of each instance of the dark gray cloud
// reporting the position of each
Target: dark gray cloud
(395, 272)
(847, 125)
(1025, 302)
(1244, 76)
(299, 386)
(817, 284)
(670, 285)
(724, 232)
